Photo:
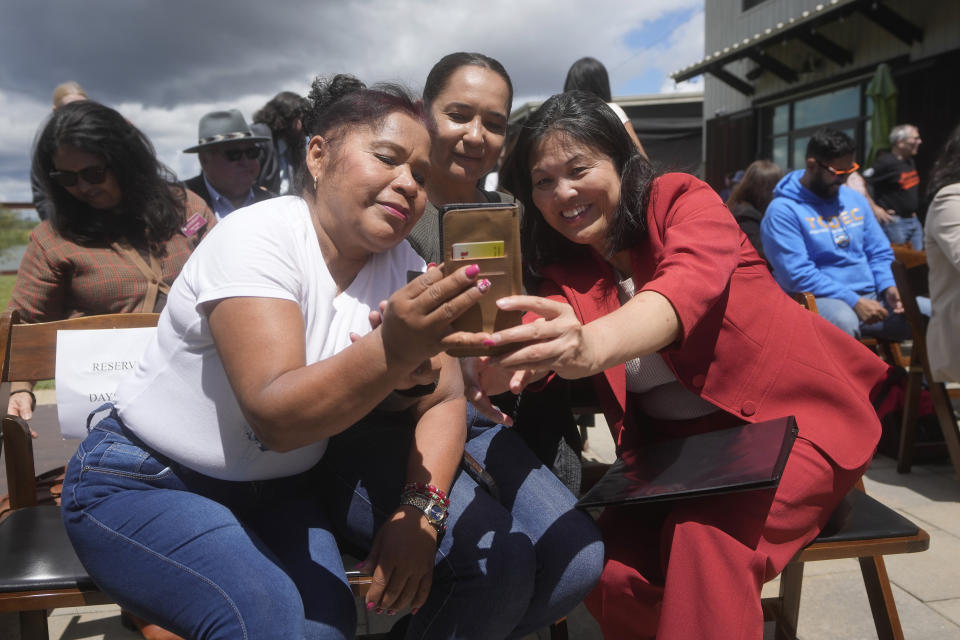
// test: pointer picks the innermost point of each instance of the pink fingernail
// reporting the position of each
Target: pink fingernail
(391, 612)
(379, 610)
(370, 605)
(414, 610)
(472, 270)
(483, 285)
(431, 264)
(488, 343)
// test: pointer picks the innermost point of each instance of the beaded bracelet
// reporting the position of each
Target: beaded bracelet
(429, 490)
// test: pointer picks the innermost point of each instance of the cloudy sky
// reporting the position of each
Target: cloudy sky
(164, 63)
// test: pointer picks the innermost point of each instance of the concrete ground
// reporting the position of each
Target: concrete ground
(833, 606)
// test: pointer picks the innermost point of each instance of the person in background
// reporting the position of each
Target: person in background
(819, 237)
(588, 74)
(63, 93)
(120, 230)
(896, 189)
(750, 198)
(942, 235)
(229, 163)
(282, 120)
(856, 182)
(650, 291)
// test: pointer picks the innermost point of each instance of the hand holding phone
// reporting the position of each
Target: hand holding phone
(486, 234)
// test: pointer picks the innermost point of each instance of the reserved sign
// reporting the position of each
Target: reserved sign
(90, 366)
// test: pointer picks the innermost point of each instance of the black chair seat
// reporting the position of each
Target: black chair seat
(35, 553)
(860, 517)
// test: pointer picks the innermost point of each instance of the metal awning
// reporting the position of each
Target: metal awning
(804, 28)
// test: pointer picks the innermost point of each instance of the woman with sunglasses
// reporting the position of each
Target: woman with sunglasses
(652, 291)
(120, 230)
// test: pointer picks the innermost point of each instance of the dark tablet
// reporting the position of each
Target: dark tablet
(741, 458)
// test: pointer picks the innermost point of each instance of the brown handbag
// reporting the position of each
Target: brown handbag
(486, 234)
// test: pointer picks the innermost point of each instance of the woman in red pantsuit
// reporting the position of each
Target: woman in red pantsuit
(650, 288)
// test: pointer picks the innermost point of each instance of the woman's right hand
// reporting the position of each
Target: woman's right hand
(416, 320)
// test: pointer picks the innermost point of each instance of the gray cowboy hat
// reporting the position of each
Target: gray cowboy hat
(218, 127)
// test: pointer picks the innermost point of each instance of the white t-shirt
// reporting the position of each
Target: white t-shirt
(179, 402)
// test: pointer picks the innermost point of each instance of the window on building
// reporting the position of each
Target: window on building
(750, 4)
(787, 127)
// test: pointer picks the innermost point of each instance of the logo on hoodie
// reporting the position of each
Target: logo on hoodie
(847, 217)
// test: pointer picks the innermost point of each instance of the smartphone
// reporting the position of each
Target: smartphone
(486, 234)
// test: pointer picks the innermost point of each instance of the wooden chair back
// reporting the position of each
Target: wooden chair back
(30, 350)
(918, 371)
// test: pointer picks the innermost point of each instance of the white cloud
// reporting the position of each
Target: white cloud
(163, 71)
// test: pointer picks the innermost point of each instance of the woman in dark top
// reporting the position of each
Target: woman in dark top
(468, 98)
(751, 196)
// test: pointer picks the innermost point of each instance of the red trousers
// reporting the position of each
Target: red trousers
(693, 569)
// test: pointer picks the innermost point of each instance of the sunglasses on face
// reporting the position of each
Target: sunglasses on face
(839, 172)
(233, 155)
(90, 175)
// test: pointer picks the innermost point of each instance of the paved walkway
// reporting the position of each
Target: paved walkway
(833, 605)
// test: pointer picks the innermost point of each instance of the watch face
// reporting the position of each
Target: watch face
(436, 513)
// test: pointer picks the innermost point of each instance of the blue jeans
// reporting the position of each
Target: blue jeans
(893, 327)
(208, 558)
(204, 558)
(506, 566)
(900, 230)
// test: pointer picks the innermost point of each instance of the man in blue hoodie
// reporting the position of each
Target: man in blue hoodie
(821, 237)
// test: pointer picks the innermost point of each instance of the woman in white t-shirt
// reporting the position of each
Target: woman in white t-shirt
(201, 501)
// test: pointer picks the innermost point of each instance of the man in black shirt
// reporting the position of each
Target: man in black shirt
(895, 186)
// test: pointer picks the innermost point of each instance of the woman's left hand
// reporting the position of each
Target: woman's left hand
(556, 341)
(401, 562)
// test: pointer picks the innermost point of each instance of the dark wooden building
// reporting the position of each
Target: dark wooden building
(778, 70)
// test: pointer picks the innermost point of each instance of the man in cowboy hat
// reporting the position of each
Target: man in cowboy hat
(229, 162)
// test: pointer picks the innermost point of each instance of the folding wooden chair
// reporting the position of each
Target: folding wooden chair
(38, 568)
(918, 371)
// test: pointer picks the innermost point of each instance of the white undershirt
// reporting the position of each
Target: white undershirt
(658, 391)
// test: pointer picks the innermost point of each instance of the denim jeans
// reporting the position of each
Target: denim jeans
(214, 559)
(900, 230)
(204, 558)
(506, 566)
(893, 327)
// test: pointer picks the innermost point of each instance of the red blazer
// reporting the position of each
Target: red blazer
(745, 346)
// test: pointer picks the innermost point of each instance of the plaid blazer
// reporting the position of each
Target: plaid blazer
(60, 279)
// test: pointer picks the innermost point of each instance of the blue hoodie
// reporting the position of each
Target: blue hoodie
(832, 248)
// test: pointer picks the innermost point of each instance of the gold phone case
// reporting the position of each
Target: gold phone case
(485, 222)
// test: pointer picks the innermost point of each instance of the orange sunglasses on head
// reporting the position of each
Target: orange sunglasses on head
(839, 172)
